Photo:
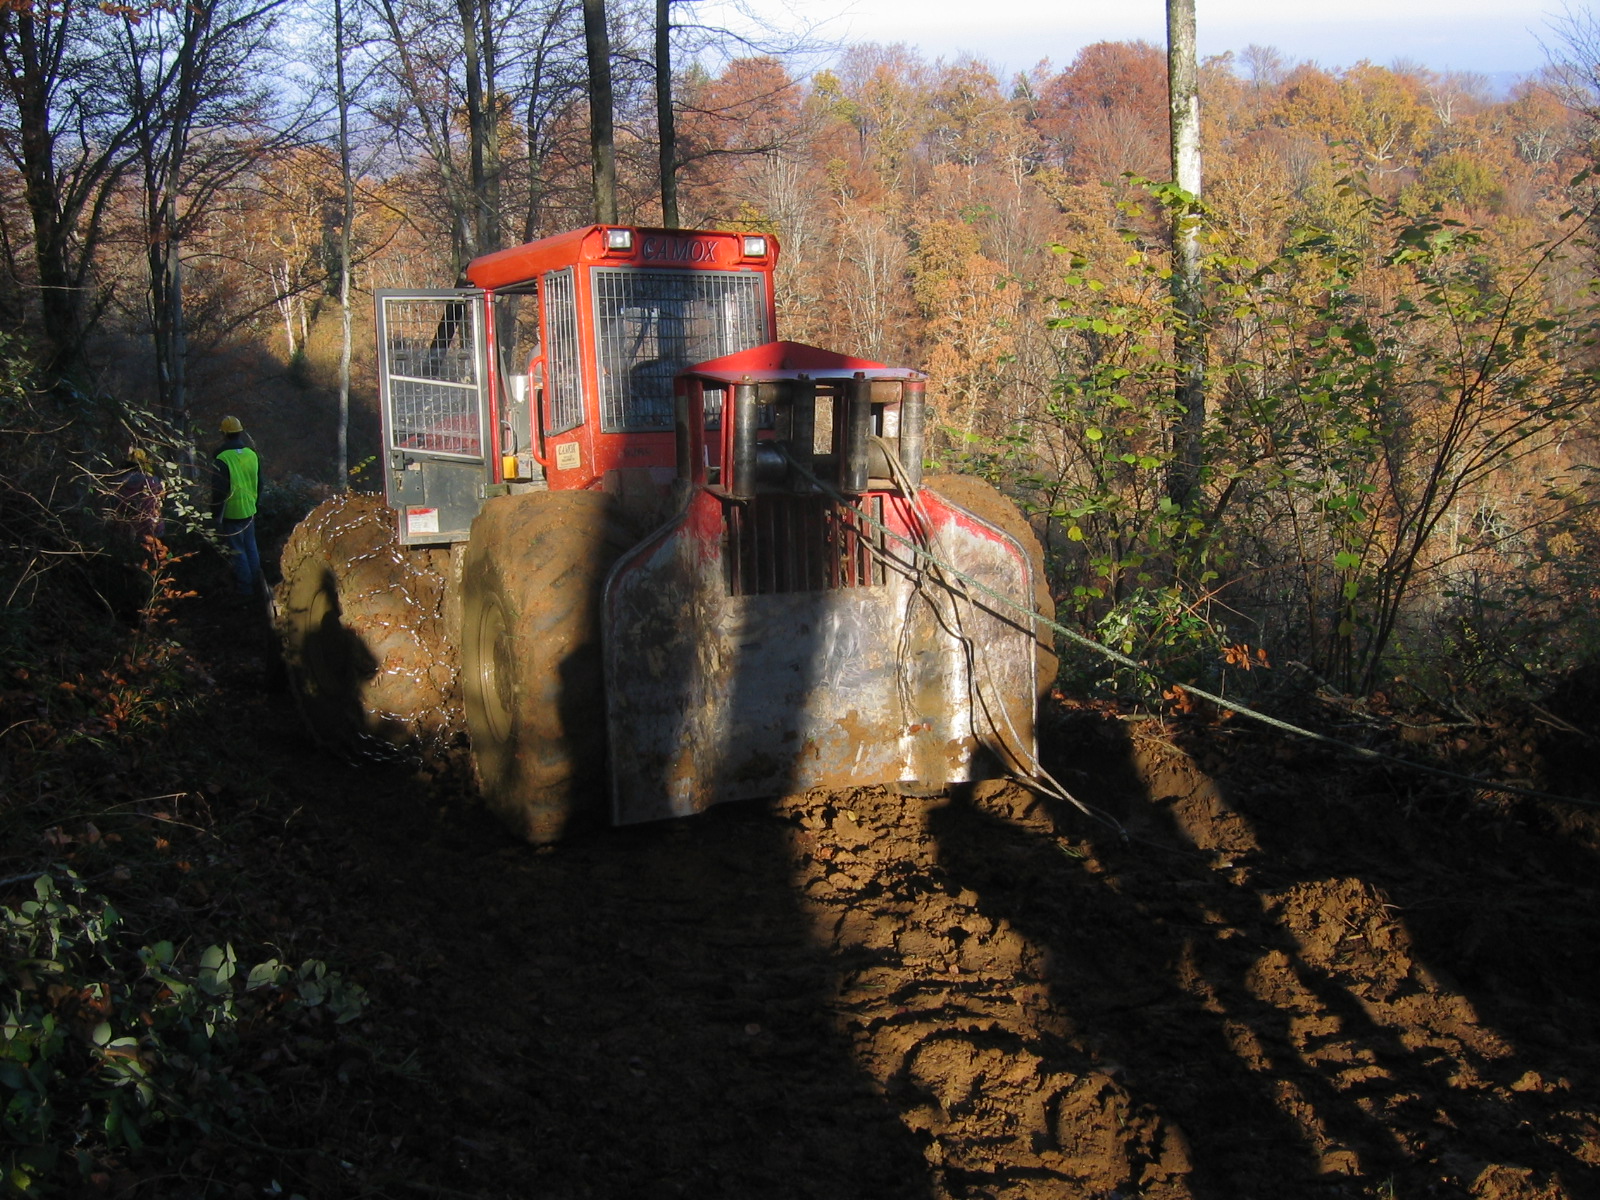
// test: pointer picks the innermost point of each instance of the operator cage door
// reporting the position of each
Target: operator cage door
(432, 365)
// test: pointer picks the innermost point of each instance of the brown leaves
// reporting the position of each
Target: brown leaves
(1243, 657)
(1180, 700)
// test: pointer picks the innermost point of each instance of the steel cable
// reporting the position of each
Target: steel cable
(1087, 643)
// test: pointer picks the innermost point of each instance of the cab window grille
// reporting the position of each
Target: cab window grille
(652, 324)
(432, 348)
(565, 396)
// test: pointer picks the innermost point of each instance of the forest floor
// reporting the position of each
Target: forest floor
(1291, 975)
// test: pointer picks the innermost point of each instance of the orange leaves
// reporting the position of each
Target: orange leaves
(1238, 655)
(1242, 657)
(970, 305)
(135, 13)
(1107, 112)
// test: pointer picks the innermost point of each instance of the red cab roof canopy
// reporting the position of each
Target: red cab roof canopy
(693, 249)
(790, 360)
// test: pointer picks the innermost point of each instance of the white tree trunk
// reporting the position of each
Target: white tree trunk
(1183, 87)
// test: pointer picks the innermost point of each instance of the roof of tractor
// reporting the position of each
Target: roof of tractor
(626, 246)
(791, 360)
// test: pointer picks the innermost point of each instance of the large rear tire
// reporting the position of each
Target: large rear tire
(988, 503)
(361, 623)
(532, 677)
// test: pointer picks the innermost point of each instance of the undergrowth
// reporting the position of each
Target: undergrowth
(112, 1049)
(145, 1014)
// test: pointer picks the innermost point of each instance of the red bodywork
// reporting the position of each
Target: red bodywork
(773, 363)
(782, 626)
(580, 457)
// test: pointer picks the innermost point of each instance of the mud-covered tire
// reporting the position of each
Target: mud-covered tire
(988, 503)
(360, 620)
(532, 674)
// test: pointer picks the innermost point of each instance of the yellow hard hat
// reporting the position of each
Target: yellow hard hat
(139, 458)
(232, 425)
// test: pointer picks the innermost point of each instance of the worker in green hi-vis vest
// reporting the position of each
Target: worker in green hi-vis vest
(234, 493)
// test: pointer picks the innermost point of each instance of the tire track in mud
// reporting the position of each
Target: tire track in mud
(949, 1011)
(1236, 1002)
(783, 999)
(1289, 987)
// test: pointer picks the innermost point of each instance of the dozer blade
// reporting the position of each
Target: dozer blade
(766, 647)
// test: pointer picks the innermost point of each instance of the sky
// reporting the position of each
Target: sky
(1498, 38)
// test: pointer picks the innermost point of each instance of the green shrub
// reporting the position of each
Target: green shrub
(112, 1050)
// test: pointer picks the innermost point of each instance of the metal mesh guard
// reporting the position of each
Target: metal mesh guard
(653, 324)
(433, 369)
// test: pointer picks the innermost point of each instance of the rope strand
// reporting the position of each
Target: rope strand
(950, 571)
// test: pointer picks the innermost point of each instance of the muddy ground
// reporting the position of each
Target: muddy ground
(1289, 975)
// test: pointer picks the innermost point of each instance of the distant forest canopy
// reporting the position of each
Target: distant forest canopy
(916, 201)
(1398, 291)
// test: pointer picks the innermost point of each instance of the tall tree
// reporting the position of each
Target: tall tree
(1105, 114)
(602, 107)
(1183, 88)
(757, 41)
(666, 118)
(347, 220)
(70, 141)
(454, 72)
(191, 80)
(480, 52)
(553, 81)
(423, 110)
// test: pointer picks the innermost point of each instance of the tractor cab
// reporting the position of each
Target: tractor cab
(555, 368)
(802, 608)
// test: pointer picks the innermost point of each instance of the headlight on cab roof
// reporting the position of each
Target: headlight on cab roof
(619, 239)
(755, 246)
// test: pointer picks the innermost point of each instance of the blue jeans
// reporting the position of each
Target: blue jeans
(240, 535)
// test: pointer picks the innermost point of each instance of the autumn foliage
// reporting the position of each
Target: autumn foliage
(1396, 299)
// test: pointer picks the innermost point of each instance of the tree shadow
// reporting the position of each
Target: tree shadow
(1260, 965)
(635, 1012)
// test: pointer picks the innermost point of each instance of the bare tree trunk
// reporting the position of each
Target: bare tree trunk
(483, 123)
(70, 165)
(602, 141)
(285, 307)
(168, 104)
(166, 285)
(666, 122)
(347, 219)
(1183, 87)
(180, 334)
(186, 70)
(549, 84)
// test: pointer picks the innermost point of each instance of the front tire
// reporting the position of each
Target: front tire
(361, 624)
(532, 676)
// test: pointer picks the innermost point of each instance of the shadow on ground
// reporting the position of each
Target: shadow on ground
(636, 1013)
(1329, 984)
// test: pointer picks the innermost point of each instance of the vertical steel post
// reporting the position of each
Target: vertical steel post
(858, 436)
(742, 412)
(913, 420)
(685, 438)
(803, 435)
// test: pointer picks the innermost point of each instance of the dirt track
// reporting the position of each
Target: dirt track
(1294, 979)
